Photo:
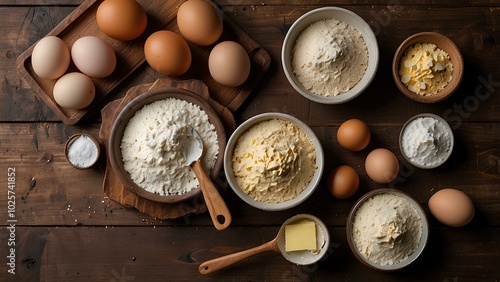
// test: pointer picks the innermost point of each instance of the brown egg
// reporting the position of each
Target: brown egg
(167, 53)
(451, 207)
(229, 64)
(121, 19)
(199, 22)
(343, 182)
(382, 165)
(353, 135)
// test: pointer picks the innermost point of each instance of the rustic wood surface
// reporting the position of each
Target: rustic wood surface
(67, 229)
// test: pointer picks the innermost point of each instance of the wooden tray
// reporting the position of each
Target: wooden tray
(130, 55)
(112, 185)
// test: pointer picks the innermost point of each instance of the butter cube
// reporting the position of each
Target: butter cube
(300, 236)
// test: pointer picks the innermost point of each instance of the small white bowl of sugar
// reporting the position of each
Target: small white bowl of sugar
(82, 150)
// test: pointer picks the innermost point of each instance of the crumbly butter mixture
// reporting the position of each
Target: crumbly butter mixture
(153, 150)
(386, 229)
(274, 161)
(329, 57)
(425, 69)
(426, 141)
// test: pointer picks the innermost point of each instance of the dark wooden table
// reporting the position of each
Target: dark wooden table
(65, 228)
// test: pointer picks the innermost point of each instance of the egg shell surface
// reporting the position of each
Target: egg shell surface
(353, 135)
(93, 56)
(167, 53)
(50, 57)
(382, 166)
(343, 181)
(229, 63)
(74, 91)
(199, 22)
(451, 207)
(121, 19)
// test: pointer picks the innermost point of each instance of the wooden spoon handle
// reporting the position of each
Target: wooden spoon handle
(224, 261)
(221, 217)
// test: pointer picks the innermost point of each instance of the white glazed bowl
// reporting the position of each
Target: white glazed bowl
(228, 165)
(342, 15)
(423, 238)
(448, 128)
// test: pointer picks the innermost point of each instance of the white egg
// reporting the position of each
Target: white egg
(74, 91)
(93, 56)
(50, 57)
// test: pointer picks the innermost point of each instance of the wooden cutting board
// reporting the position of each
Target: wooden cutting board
(119, 193)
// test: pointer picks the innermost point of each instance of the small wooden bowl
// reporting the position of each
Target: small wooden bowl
(72, 139)
(441, 42)
(115, 155)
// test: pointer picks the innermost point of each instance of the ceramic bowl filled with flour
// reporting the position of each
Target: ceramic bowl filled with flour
(387, 229)
(426, 141)
(273, 161)
(146, 149)
(330, 55)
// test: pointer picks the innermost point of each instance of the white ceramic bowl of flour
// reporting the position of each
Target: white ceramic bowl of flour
(341, 15)
(426, 141)
(230, 151)
(399, 218)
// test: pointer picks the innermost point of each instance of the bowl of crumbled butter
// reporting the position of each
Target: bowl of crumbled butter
(330, 55)
(273, 161)
(427, 67)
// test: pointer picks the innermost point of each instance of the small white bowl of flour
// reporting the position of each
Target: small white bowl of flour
(330, 55)
(426, 141)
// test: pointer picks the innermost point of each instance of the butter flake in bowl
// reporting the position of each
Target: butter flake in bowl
(273, 161)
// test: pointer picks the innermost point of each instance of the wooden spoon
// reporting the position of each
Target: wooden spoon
(276, 245)
(221, 217)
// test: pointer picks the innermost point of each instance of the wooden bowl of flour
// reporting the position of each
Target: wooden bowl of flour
(122, 120)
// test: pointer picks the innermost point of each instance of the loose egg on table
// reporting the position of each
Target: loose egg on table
(353, 135)
(451, 207)
(50, 57)
(229, 64)
(74, 91)
(121, 19)
(199, 22)
(382, 166)
(343, 181)
(93, 56)
(167, 53)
